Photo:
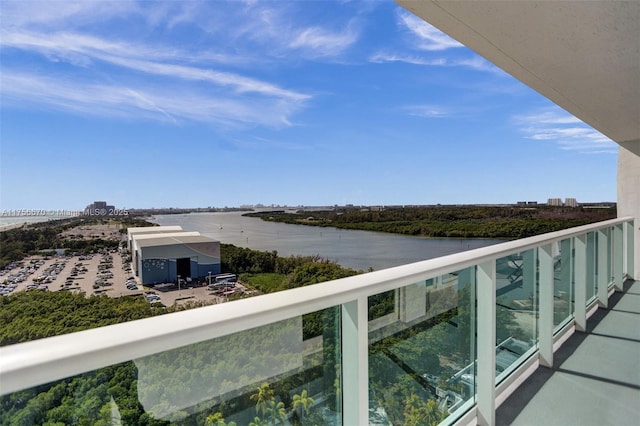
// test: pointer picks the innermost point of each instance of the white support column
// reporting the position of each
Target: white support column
(355, 363)
(545, 321)
(486, 343)
(629, 195)
(580, 282)
(617, 257)
(603, 275)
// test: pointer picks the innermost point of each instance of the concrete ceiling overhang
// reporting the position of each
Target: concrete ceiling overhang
(582, 55)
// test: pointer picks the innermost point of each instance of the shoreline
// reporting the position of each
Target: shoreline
(35, 220)
(12, 226)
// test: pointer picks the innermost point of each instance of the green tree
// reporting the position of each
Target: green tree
(302, 403)
(420, 413)
(277, 412)
(262, 397)
(257, 421)
(216, 419)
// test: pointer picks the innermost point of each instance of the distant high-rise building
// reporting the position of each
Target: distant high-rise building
(570, 202)
(99, 208)
(554, 202)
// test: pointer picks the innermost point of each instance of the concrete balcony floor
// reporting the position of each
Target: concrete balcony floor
(596, 375)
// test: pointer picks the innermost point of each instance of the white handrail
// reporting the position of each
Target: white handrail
(37, 362)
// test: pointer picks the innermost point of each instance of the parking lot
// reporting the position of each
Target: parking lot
(101, 273)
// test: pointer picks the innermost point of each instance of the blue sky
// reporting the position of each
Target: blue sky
(195, 104)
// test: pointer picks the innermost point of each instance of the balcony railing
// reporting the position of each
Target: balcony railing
(443, 340)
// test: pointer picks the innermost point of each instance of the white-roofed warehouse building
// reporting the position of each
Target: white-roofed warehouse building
(163, 257)
(135, 249)
(144, 230)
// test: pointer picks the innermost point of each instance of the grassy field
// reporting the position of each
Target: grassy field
(265, 282)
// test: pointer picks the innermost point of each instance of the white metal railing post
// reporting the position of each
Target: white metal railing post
(617, 263)
(580, 281)
(355, 362)
(631, 248)
(486, 347)
(603, 274)
(545, 318)
(627, 249)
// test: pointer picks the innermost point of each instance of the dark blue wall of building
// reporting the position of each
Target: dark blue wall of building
(156, 271)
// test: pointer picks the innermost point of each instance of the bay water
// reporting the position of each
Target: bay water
(350, 248)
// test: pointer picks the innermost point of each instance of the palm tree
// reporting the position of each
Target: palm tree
(418, 412)
(216, 419)
(264, 394)
(434, 415)
(277, 413)
(257, 421)
(304, 401)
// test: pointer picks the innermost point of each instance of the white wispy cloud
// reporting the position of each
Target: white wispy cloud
(428, 111)
(567, 131)
(428, 37)
(52, 14)
(239, 83)
(269, 144)
(277, 30)
(553, 116)
(171, 66)
(476, 63)
(431, 45)
(320, 42)
(143, 101)
(66, 43)
(281, 32)
(71, 37)
(382, 57)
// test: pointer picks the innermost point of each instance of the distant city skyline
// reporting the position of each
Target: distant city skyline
(187, 104)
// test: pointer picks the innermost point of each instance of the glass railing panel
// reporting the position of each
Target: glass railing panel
(516, 308)
(287, 372)
(563, 282)
(591, 263)
(604, 257)
(422, 364)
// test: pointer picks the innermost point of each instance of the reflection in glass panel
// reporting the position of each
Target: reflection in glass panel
(421, 364)
(592, 262)
(282, 373)
(382, 306)
(563, 280)
(516, 307)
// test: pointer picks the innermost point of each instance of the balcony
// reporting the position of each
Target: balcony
(447, 340)
(596, 374)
